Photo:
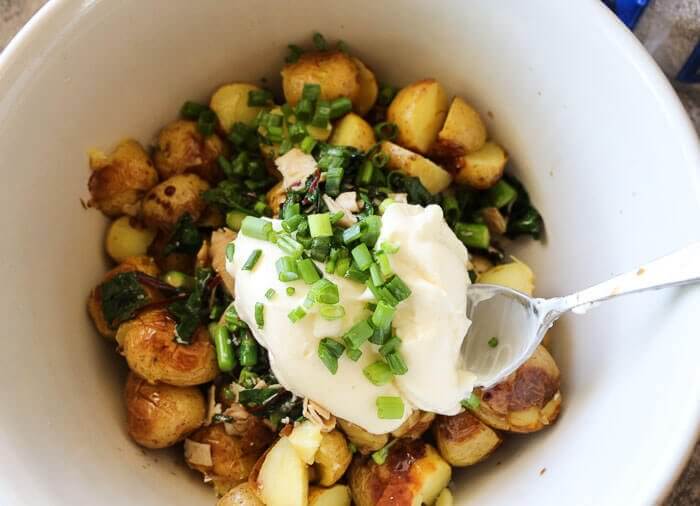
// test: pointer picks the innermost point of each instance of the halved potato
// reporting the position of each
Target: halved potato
(432, 176)
(230, 103)
(418, 110)
(338, 495)
(413, 474)
(240, 495)
(335, 71)
(369, 89)
(515, 275)
(365, 442)
(332, 458)
(444, 499)
(352, 130)
(126, 237)
(463, 440)
(282, 478)
(306, 438)
(483, 168)
(462, 133)
(415, 425)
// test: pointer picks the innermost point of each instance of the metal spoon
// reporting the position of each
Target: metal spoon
(518, 322)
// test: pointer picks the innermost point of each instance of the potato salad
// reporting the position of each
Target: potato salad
(289, 286)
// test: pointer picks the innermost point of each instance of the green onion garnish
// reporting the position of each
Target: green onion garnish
(381, 335)
(320, 225)
(384, 264)
(234, 220)
(471, 402)
(192, 110)
(371, 227)
(304, 109)
(324, 291)
(259, 98)
(356, 274)
(390, 345)
(285, 146)
(224, 350)
(386, 131)
(329, 351)
(290, 291)
(292, 223)
(290, 210)
(206, 123)
(383, 315)
(386, 94)
(501, 194)
(362, 256)
(389, 408)
(287, 269)
(396, 363)
(248, 352)
(340, 106)
(308, 144)
(450, 208)
(297, 132)
(308, 271)
(294, 53)
(353, 354)
(365, 173)
(336, 216)
(289, 245)
(230, 251)
(358, 334)
(352, 233)
(398, 288)
(260, 314)
(311, 91)
(385, 203)
(334, 177)
(342, 265)
(257, 228)
(296, 314)
(376, 274)
(493, 342)
(390, 248)
(270, 293)
(473, 235)
(322, 114)
(252, 260)
(381, 455)
(378, 373)
(320, 42)
(331, 311)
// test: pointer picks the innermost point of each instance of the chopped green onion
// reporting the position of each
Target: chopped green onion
(493, 342)
(391, 345)
(320, 248)
(248, 352)
(398, 288)
(179, 280)
(289, 245)
(285, 146)
(396, 363)
(386, 94)
(192, 110)
(324, 291)
(336, 217)
(389, 407)
(353, 354)
(296, 314)
(259, 98)
(270, 293)
(257, 228)
(342, 265)
(320, 225)
(291, 224)
(381, 455)
(262, 208)
(362, 256)
(358, 334)
(329, 351)
(260, 314)
(390, 248)
(450, 207)
(224, 350)
(231, 318)
(501, 194)
(386, 131)
(334, 177)
(320, 42)
(352, 233)
(247, 378)
(297, 132)
(340, 106)
(308, 271)
(252, 260)
(234, 220)
(376, 274)
(322, 114)
(331, 311)
(378, 373)
(471, 402)
(304, 109)
(383, 315)
(364, 175)
(230, 251)
(290, 210)
(381, 335)
(380, 160)
(308, 144)
(290, 291)
(294, 53)
(311, 91)
(287, 269)
(356, 274)
(473, 235)
(371, 227)
(206, 123)
(385, 203)
(384, 264)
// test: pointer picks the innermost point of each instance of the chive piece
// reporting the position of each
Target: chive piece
(259, 98)
(390, 345)
(501, 194)
(336, 216)
(311, 91)
(473, 235)
(290, 291)
(329, 351)
(383, 315)
(380, 159)
(252, 260)
(290, 210)
(292, 223)
(334, 177)
(356, 274)
(362, 256)
(378, 373)
(341, 267)
(179, 280)
(320, 225)
(294, 53)
(192, 110)
(296, 314)
(352, 233)
(324, 291)
(385, 203)
(471, 402)
(322, 114)
(381, 335)
(384, 264)
(234, 220)
(398, 289)
(390, 248)
(257, 228)
(287, 269)
(289, 245)
(376, 274)
(340, 106)
(260, 314)
(206, 122)
(450, 208)
(308, 144)
(493, 342)
(371, 227)
(396, 363)
(386, 131)
(248, 352)
(381, 455)
(389, 407)
(224, 350)
(270, 293)
(386, 94)
(365, 173)
(353, 354)
(358, 333)
(331, 311)
(320, 42)
(285, 146)
(308, 271)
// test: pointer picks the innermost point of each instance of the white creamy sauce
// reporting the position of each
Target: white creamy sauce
(432, 323)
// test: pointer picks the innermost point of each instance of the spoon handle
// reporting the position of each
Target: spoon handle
(679, 268)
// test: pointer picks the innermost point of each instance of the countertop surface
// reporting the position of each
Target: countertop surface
(669, 29)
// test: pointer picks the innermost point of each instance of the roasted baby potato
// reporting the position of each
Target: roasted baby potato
(181, 148)
(126, 237)
(338, 495)
(368, 89)
(515, 275)
(432, 176)
(334, 71)
(147, 342)
(160, 415)
(364, 441)
(463, 440)
(332, 458)
(220, 239)
(167, 202)
(483, 168)
(230, 103)
(141, 264)
(527, 401)
(280, 477)
(118, 181)
(306, 438)
(415, 425)
(275, 197)
(418, 110)
(352, 130)
(480, 263)
(462, 133)
(445, 498)
(232, 456)
(413, 474)
(240, 495)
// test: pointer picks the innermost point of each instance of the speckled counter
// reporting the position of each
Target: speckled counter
(669, 29)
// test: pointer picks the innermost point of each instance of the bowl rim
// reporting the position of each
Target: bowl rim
(28, 41)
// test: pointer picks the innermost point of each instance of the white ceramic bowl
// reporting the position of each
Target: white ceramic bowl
(593, 128)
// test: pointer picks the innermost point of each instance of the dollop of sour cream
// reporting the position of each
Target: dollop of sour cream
(431, 323)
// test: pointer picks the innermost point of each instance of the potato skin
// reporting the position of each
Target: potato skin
(352, 130)
(332, 458)
(483, 168)
(240, 495)
(140, 264)
(415, 425)
(118, 181)
(338, 495)
(365, 442)
(126, 237)
(167, 202)
(369, 89)
(432, 176)
(516, 275)
(275, 198)
(336, 72)
(149, 348)
(462, 133)
(181, 148)
(160, 415)
(230, 103)
(527, 401)
(463, 440)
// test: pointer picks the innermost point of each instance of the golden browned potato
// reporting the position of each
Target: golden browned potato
(415, 425)
(483, 168)
(232, 456)
(515, 275)
(240, 495)
(338, 495)
(463, 439)
(413, 474)
(167, 202)
(479, 263)
(462, 133)
(160, 415)
(147, 342)
(418, 110)
(181, 148)
(332, 458)
(127, 237)
(364, 441)
(352, 130)
(230, 103)
(118, 181)
(445, 498)
(432, 176)
(306, 438)
(369, 89)
(220, 239)
(527, 401)
(275, 197)
(280, 477)
(141, 264)
(334, 71)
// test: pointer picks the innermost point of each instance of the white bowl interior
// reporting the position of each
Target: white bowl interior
(592, 128)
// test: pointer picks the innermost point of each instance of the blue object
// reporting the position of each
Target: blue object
(690, 72)
(629, 11)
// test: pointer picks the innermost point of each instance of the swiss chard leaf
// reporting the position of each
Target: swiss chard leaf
(523, 218)
(417, 193)
(189, 313)
(121, 297)
(186, 238)
(256, 396)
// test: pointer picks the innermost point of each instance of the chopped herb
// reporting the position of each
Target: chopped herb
(320, 42)
(260, 314)
(389, 407)
(471, 402)
(329, 351)
(381, 455)
(230, 250)
(121, 297)
(290, 291)
(493, 342)
(378, 373)
(252, 260)
(186, 238)
(256, 396)
(189, 313)
(270, 293)
(296, 314)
